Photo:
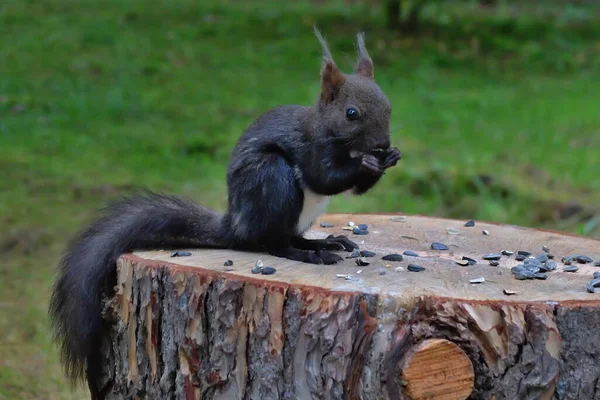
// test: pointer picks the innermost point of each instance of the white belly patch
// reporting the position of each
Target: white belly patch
(314, 205)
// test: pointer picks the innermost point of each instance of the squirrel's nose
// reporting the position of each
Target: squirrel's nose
(383, 144)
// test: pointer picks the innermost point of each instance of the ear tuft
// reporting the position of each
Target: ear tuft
(364, 65)
(331, 77)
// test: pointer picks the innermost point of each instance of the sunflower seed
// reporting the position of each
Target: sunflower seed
(464, 263)
(566, 260)
(228, 263)
(494, 263)
(548, 266)
(509, 292)
(363, 226)
(257, 267)
(415, 268)
(477, 280)
(348, 228)
(596, 274)
(326, 225)
(508, 252)
(492, 256)
(542, 258)
(410, 253)
(550, 256)
(470, 260)
(268, 271)
(593, 285)
(361, 262)
(180, 253)
(354, 254)
(597, 263)
(520, 257)
(388, 265)
(438, 246)
(367, 253)
(541, 275)
(520, 276)
(523, 253)
(570, 268)
(392, 257)
(398, 218)
(518, 268)
(532, 262)
(358, 231)
(546, 249)
(470, 223)
(452, 231)
(582, 259)
(485, 232)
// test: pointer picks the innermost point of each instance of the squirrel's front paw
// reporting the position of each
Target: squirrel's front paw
(370, 164)
(390, 157)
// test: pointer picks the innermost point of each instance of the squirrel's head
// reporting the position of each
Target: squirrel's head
(352, 107)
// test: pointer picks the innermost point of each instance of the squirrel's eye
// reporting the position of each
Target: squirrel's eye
(352, 114)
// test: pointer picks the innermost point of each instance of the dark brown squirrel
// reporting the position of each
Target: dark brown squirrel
(282, 172)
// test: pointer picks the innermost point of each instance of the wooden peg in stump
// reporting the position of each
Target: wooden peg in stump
(194, 328)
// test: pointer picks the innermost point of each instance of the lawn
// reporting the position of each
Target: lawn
(496, 113)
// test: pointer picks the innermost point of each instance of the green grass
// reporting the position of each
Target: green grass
(497, 118)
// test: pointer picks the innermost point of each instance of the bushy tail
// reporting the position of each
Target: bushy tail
(148, 220)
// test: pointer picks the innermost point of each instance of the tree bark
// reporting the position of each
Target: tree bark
(192, 328)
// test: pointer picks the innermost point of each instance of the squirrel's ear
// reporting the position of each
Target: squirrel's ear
(331, 77)
(364, 65)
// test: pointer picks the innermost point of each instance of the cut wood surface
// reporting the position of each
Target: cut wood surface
(191, 327)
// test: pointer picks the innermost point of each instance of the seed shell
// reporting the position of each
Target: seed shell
(326, 225)
(509, 292)
(492, 256)
(520, 257)
(410, 253)
(363, 226)
(398, 218)
(438, 246)
(470, 223)
(354, 254)
(494, 263)
(542, 258)
(541, 275)
(596, 274)
(523, 253)
(415, 268)
(358, 231)
(508, 252)
(546, 249)
(452, 231)
(228, 263)
(477, 280)
(470, 260)
(582, 259)
(597, 263)
(593, 285)
(464, 263)
(180, 253)
(486, 232)
(367, 253)
(570, 268)
(392, 257)
(361, 262)
(268, 271)
(566, 260)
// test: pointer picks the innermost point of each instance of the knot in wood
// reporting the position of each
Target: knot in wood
(437, 369)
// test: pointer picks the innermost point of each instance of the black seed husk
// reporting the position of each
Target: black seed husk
(520, 276)
(596, 274)
(392, 257)
(228, 263)
(438, 246)
(470, 223)
(179, 253)
(582, 259)
(363, 226)
(354, 254)
(541, 275)
(518, 269)
(550, 256)
(507, 252)
(415, 268)
(367, 253)
(532, 268)
(492, 256)
(520, 257)
(548, 266)
(566, 260)
(597, 263)
(593, 285)
(358, 231)
(523, 253)
(464, 263)
(542, 258)
(532, 262)
(361, 262)
(326, 225)
(570, 268)
(485, 232)
(410, 253)
(546, 249)
(470, 260)
(268, 271)
(494, 263)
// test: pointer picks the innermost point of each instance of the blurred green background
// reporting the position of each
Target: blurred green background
(495, 108)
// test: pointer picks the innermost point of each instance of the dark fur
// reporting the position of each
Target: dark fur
(286, 151)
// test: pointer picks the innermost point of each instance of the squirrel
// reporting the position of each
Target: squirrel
(282, 172)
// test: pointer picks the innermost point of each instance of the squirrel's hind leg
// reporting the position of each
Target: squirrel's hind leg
(307, 256)
(332, 242)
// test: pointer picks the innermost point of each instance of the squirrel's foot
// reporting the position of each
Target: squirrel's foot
(390, 157)
(332, 242)
(370, 165)
(307, 256)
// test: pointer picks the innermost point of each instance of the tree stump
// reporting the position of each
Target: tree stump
(193, 328)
